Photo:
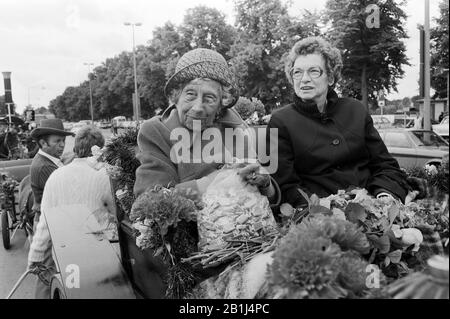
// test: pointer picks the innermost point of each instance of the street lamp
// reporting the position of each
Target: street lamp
(136, 97)
(90, 90)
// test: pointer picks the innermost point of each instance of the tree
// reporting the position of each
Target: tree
(439, 52)
(406, 102)
(205, 27)
(373, 53)
(41, 110)
(266, 33)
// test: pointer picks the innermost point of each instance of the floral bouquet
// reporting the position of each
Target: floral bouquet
(321, 258)
(401, 237)
(165, 220)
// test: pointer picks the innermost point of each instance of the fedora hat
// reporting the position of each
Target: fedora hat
(203, 63)
(50, 127)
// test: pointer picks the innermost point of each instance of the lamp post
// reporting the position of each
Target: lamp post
(426, 100)
(90, 90)
(136, 96)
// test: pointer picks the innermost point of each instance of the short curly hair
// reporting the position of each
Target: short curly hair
(87, 137)
(311, 45)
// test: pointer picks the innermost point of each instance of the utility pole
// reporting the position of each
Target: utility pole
(136, 95)
(426, 105)
(90, 91)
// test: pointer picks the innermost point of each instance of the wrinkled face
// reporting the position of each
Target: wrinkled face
(54, 145)
(310, 77)
(200, 100)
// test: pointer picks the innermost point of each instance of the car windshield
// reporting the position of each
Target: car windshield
(427, 138)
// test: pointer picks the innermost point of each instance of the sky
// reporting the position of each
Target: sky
(46, 43)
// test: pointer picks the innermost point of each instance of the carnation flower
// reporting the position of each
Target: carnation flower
(304, 265)
(353, 274)
(342, 232)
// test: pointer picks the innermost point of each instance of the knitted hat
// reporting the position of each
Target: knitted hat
(50, 127)
(203, 63)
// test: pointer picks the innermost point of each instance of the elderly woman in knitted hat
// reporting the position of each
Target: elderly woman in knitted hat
(327, 143)
(201, 93)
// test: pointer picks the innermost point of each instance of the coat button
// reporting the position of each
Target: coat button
(336, 142)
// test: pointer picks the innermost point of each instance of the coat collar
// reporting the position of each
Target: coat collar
(53, 159)
(310, 108)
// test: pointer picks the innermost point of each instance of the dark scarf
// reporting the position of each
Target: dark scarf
(310, 109)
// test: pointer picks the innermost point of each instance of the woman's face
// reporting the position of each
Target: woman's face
(199, 100)
(310, 77)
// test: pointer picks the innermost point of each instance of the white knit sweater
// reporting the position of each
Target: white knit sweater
(76, 183)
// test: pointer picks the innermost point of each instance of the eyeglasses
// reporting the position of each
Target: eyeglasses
(313, 73)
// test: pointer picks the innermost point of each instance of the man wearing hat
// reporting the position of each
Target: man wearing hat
(50, 137)
(201, 93)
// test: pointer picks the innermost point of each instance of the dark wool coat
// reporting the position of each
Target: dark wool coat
(322, 153)
(40, 170)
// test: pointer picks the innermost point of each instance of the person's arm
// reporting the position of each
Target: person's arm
(41, 239)
(154, 155)
(387, 177)
(286, 176)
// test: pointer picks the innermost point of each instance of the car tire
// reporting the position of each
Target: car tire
(5, 230)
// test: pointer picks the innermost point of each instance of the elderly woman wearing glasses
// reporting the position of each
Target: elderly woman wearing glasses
(201, 93)
(327, 143)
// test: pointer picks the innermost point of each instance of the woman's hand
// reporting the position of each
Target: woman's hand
(252, 175)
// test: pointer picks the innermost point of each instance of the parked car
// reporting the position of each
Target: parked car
(67, 126)
(104, 124)
(442, 128)
(381, 122)
(76, 127)
(404, 121)
(414, 147)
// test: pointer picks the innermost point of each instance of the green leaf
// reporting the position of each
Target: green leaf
(286, 209)
(385, 226)
(395, 256)
(381, 242)
(394, 240)
(317, 209)
(393, 212)
(355, 212)
(315, 200)
(305, 196)
(158, 251)
(387, 261)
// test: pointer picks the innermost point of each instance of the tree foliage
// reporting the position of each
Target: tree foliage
(439, 52)
(266, 32)
(373, 55)
(255, 47)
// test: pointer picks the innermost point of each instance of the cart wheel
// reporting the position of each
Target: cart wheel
(57, 288)
(5, 229)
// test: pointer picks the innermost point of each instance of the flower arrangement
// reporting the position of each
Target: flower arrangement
(319, 258)
(165, 219)
(120, 155)
(7, 187)
(437, 178)
(401, 237)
